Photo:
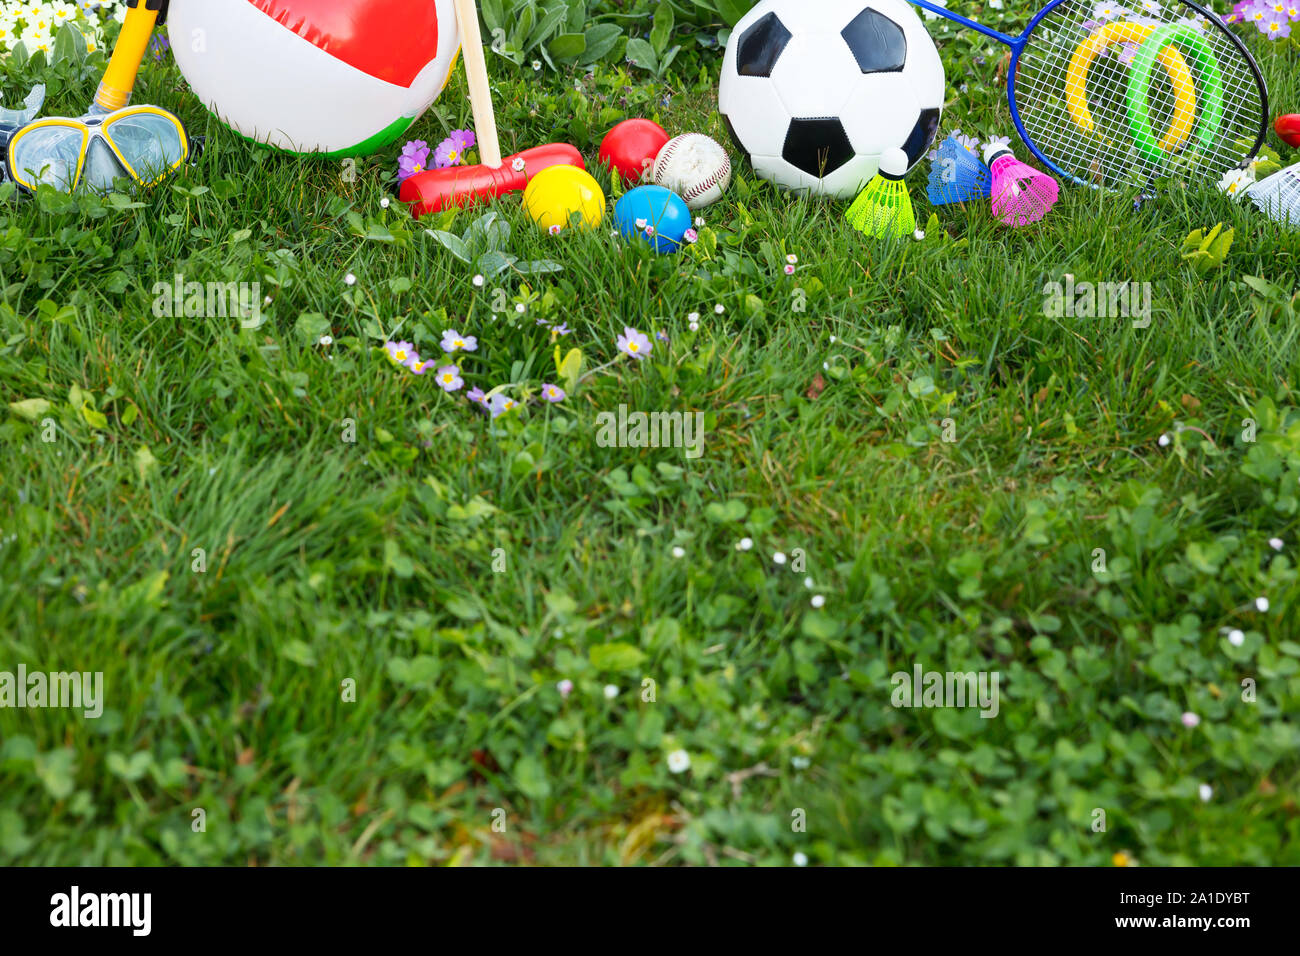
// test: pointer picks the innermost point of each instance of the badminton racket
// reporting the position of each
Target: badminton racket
(1111, 97)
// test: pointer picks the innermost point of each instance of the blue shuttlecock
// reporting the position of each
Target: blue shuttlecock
(957, 175)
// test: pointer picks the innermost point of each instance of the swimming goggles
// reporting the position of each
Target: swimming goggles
(141, 143)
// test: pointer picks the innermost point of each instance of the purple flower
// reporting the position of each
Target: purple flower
(561, 329)
(499, 404)
(1257, 13)
(1127, 51)
(418, 367)
(1276, 29)
(565, 687)
(159, 46)
(633, 343)
(453, 341)
(449, 378)
(476, 396)
(451, 151)
(553, 393)
(401, 353)
(414, 159)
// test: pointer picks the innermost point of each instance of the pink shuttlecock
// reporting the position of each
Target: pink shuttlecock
(1021, 194)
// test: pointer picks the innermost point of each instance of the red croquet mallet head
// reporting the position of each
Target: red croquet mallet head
(436, 189)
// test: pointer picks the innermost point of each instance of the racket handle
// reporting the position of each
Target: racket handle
(119, 79)
(480, 94)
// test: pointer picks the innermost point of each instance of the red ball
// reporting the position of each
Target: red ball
(1288, 129)
(630, 148)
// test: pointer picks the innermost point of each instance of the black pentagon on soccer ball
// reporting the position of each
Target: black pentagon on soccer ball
(760, 45)
(818, 147)
(877, 42)
(922, 135)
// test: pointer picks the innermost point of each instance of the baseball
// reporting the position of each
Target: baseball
(695, 167)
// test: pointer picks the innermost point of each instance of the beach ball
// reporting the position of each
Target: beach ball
(340, 77)
(655, 214)
(563, 196)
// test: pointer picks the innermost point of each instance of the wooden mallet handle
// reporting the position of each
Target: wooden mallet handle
(480, 94)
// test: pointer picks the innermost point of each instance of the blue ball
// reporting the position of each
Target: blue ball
(659, 208)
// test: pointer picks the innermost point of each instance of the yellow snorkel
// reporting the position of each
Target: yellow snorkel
(124, 66)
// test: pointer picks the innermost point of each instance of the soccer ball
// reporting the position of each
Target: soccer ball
(340, 77)
(816, 93)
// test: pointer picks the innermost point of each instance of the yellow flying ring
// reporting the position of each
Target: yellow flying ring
(1180, 77)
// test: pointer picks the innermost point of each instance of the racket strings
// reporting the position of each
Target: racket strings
(1111, 109)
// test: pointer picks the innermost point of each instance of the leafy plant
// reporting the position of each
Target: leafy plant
(1272, 302)
(557, 32)
(654, 54)
(483, 246)
(1207, 250)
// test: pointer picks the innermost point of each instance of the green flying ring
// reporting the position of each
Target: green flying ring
(1139, 87)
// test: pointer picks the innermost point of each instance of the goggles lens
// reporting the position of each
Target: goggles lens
(47, 154)
(152, 143)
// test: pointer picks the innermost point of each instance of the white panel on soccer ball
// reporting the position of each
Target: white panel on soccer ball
(814, 74)
(879, 115)
(776, 170)
(809, 16)
(849, 180)
(756, 114)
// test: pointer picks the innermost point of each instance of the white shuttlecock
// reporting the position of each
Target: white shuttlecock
(1278, 196)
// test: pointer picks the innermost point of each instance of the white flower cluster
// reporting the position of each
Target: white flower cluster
(36, 24)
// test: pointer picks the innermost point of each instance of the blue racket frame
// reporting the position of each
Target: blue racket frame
(1018, 43)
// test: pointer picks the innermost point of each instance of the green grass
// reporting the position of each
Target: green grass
(372, 561)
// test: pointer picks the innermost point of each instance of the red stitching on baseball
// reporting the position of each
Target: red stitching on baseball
(702, 187)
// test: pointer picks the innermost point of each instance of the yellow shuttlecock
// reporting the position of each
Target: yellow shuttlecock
(884, 207)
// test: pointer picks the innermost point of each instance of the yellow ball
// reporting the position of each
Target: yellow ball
(555, 194)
